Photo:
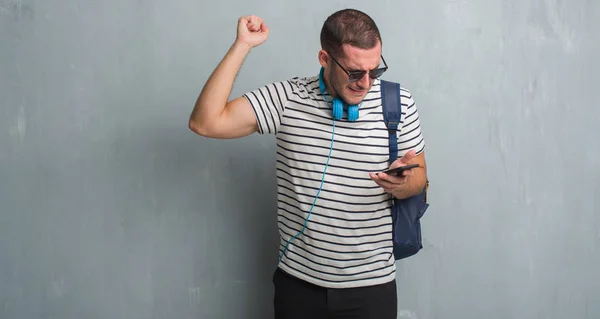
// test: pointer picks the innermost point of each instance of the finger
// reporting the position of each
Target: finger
(392, 179)
(384, 183)
(383, 176)
(408, 156)
(376, 178)
(387, 188)
(250, 25)
(264, 28)
(255, 23)
(386, 177)
(246, 20)
(259, 24)
(397, 163)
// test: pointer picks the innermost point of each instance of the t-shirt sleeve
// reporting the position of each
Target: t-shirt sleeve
(268, 103)
(410, 136)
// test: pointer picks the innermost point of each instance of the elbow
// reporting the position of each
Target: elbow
(204, 128)
(197, 128)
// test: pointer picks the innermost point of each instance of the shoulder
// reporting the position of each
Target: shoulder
(303, 87)
(405, 94)
(307, 85)
(406, 98)
(299, 88)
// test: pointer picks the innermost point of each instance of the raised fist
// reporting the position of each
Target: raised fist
(251, 31)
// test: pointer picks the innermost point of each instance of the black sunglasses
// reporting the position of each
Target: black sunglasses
(357, 75)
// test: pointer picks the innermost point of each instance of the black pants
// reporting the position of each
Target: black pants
(295, 298)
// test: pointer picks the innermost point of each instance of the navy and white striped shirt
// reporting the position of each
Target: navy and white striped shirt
(347, 241)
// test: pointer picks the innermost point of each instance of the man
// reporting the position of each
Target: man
(336, 257)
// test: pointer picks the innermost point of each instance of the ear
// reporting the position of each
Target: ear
(323, 58)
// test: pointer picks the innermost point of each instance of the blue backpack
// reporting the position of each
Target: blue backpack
(406, 213)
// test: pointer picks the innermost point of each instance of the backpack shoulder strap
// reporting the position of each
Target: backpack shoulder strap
(392, 112)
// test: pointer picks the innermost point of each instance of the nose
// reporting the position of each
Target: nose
(364, 81)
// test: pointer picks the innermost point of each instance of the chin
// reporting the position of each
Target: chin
(354, 99)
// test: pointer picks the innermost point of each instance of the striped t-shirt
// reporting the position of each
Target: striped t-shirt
(347, 241)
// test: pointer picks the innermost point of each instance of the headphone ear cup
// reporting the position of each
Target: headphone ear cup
(352, 112)
(338, 109)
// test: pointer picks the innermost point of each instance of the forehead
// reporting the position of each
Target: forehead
(361, 59)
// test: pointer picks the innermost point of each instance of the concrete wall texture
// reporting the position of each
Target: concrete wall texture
(111, 208)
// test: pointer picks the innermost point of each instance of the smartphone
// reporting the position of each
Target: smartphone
(398, 170)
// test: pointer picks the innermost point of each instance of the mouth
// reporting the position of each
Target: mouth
(357, 92)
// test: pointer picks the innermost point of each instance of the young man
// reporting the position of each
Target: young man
(336, 255)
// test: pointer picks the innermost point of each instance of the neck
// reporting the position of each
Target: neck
(328, 87)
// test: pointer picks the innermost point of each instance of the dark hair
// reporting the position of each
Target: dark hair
(349, 26)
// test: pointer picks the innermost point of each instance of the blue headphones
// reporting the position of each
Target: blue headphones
(338, 104)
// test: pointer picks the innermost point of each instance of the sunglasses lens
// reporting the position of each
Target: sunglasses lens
(377, 73)
(374, 74)
(356, 76)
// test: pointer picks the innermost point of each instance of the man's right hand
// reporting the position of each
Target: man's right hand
(251, 31)
(214, 114)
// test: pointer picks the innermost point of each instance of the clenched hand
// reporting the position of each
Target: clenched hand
(251, 31)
